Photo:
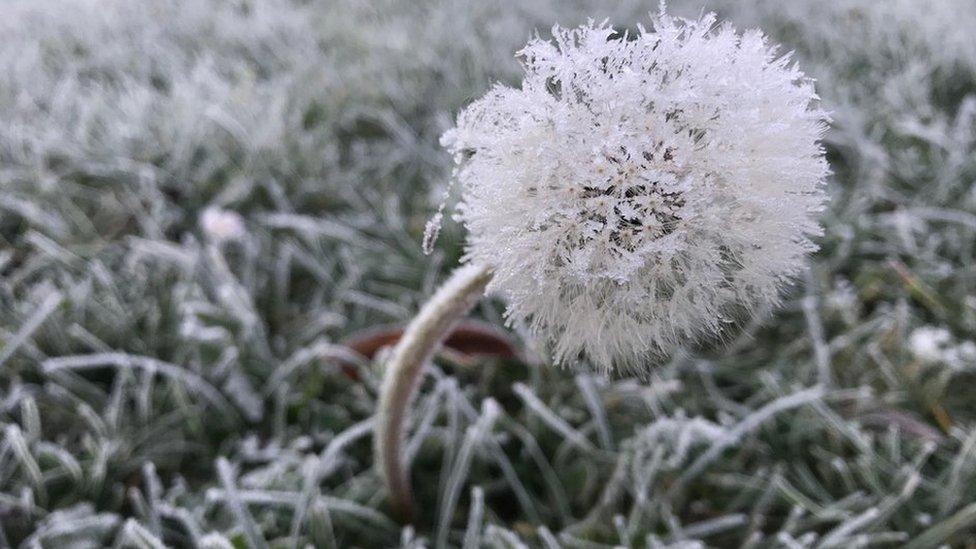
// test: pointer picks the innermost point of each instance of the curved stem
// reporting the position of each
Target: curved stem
(403, 374)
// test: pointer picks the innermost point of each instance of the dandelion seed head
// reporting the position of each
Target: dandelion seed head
(638, 190)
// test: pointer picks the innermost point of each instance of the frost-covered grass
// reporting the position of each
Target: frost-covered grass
(162, 387)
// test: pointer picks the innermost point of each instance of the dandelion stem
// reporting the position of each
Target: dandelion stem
(403, 373)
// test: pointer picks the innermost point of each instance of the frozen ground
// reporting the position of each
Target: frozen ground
(168, 370)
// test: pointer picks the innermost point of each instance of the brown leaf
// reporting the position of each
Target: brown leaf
(470, 339)
(906, 422)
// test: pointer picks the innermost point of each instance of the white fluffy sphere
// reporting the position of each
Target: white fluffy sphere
(641, 190)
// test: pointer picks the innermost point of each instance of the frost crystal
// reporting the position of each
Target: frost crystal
(222, 225)
(641, 190)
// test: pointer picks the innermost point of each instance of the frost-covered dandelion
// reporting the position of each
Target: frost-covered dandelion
(634, 193)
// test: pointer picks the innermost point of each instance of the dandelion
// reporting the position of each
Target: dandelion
(636, 192)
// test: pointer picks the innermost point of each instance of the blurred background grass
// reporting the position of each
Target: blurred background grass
(167, 383)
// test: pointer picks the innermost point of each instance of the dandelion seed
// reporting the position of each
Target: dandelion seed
(431, 231)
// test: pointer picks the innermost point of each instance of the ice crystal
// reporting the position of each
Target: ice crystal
(222, 225)
(641, 189)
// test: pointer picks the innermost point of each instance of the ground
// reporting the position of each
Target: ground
(202, 201)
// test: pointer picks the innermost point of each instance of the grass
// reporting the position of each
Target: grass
(159, 387)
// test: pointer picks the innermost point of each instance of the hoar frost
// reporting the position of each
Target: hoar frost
(639, 189)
